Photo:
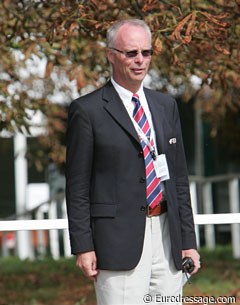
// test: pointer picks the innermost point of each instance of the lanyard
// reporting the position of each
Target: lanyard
(145, 139)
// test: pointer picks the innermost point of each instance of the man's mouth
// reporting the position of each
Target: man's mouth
(138, 71)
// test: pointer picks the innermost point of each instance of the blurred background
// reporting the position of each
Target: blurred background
(54, 51)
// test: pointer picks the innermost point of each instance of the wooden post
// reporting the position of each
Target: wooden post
(41, 242)
(193, 192)
(233, 188)
(208, 209)
(24, 241)
(66, 240)
(54, 237)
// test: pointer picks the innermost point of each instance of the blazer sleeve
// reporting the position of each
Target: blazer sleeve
(79, 158)
(182, 189)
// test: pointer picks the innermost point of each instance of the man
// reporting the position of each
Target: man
(129, 210)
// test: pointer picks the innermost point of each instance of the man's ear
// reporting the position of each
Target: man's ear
(109, 55)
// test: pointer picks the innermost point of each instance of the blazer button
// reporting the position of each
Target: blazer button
(143, 208)
(142, 180)
(140, 154)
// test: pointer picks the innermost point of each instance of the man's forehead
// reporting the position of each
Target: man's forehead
(126, 28)
(130, 33)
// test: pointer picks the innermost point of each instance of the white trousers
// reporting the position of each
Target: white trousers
(154, 280)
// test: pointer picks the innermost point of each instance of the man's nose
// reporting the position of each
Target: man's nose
(139, 58)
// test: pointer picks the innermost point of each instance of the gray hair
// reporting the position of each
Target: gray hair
(112, 31)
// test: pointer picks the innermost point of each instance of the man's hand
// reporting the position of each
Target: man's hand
(88, 263)
(194, 256)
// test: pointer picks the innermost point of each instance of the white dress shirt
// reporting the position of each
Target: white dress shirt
(126, 97)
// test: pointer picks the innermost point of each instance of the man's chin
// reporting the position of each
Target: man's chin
(138, 77)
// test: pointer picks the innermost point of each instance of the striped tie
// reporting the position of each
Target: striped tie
(153, 190)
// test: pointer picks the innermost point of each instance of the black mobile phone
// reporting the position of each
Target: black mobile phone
(187, 265)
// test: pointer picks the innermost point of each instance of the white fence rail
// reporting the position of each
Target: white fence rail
(59, 227)
(202, 187)
(58, 224)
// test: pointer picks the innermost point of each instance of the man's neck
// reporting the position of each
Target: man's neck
(129, 87)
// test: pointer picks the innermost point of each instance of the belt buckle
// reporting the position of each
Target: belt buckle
(148, 211)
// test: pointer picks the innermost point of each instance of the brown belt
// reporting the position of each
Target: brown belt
(158, 209)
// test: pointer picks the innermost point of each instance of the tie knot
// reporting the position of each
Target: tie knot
(135, 97)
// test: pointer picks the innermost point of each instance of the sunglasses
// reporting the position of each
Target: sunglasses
(134, 53)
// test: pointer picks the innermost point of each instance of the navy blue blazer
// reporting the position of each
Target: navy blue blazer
(105, 178)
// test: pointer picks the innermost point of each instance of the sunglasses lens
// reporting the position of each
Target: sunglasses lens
(132, 54)
(146, 53)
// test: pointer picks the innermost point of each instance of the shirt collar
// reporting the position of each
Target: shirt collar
(124, 93)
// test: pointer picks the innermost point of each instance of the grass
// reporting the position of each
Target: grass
(43, 282)
(219, 274)
(50, 282)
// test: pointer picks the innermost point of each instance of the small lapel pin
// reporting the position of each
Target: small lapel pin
(172, 141)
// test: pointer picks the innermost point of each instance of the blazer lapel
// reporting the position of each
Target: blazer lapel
(116, 109)
(157, 112)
